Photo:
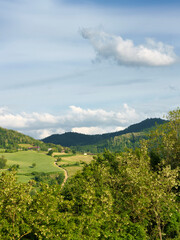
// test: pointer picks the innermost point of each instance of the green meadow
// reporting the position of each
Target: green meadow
(25, 159)
(73, 163)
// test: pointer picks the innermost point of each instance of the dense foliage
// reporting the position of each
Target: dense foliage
(124, 196)
(3, 162)
(164, 142)
(114, 144)
(50, 178)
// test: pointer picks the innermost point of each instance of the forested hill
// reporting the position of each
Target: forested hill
(77, 139)
(10, 139)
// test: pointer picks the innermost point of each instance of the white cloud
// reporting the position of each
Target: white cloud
(44, 117)
(96, 130)
(101, 117)
(43, 133)
(119, 129)
(10, 120)
(13, 121)
(88, 130)
(24, 120)
(88, 121)
(124, 52)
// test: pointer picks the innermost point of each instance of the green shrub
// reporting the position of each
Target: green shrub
(14, 167)
(3, 162)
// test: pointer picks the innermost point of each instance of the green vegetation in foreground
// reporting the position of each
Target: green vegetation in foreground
(132, 195)
(27, 159)
(74, 163)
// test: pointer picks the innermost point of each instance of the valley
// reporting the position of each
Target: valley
(43, 161)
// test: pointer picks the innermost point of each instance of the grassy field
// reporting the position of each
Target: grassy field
(43, 163)
(72, 164)
(25, 159)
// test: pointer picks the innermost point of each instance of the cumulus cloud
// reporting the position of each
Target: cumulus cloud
(77, 119)
(125, 52)
(10, 120)
(96, 130)
(88, 130)
(24, 120)
(102, 117)
(43, 133)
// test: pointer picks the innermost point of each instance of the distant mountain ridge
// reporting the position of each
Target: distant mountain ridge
(78, 139)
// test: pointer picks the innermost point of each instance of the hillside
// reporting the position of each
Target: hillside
(11, 140)
(77, 139)
(114, 144)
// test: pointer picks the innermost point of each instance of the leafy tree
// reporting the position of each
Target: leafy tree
(3, 162)
(14, 167)
(14, 202)
(50, 152)
(164, 142)
(59, 159)
(33, 165)
(125, 189)
(73, 151)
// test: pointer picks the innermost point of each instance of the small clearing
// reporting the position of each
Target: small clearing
(74, 163)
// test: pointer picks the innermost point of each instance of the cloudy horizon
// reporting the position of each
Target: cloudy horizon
(87, 66)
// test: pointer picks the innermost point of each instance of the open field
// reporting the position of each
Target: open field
(72, 170)
(25, 159)
(43, 163)
(72, 164)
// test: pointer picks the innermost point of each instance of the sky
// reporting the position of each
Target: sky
(87, 66)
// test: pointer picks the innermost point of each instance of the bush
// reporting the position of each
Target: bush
(49, 178)
(73, 151)
(59, 159)
(14, 167)
(33, 165)
(3, 162)
(50, 153)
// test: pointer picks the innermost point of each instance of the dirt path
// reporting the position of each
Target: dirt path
(65, 174)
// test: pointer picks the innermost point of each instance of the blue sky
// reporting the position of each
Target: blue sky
(87, 66)
(125, 2)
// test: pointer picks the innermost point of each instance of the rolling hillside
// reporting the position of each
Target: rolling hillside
(12, 140)
(114, 144)
(76, 139)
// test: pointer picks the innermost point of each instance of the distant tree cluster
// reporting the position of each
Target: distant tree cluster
(49, 178)
(114, 144)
